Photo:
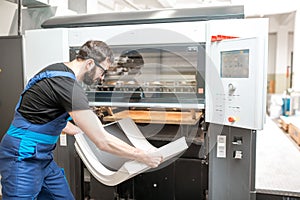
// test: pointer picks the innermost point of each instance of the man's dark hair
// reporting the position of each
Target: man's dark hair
(97, 50)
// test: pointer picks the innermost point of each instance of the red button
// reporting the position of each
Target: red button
(231, 119)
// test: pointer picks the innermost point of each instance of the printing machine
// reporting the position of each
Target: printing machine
(203, 76)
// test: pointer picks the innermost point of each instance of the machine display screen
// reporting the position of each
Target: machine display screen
(235, 64)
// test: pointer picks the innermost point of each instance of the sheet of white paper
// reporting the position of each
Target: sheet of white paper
(116, 169)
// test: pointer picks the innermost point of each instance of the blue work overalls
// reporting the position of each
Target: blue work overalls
(26, 160)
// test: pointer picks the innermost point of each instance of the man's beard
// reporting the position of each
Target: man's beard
(88, 77)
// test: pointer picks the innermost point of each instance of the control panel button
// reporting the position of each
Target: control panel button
(238, 154)
(231, 119)
(231, 87)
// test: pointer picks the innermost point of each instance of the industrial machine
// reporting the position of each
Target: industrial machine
(198, 73)
(11, 73)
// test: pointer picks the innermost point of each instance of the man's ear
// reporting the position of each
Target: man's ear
(107, 59)
(89, 64)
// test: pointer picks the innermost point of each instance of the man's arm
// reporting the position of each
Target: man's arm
(71, 129)
(89, 123)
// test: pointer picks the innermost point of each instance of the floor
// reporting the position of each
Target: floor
(277, 162)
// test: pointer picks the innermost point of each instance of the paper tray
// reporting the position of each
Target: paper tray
(112, 170)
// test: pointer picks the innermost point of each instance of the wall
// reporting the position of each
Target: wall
(271, 62)
(281, 41)
(7, 11)
(290, 52)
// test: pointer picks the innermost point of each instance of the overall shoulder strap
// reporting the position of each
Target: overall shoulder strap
(43, 75)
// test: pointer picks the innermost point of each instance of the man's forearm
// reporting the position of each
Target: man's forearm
(71, 129)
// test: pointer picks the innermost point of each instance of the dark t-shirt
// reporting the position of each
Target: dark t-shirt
(51, 97)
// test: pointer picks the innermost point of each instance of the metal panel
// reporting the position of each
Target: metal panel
(191, 184)
(156, 185)
(67, 158)
(32, 18)
(42, 48)
(237, 89)
(147, 17)
(232, 177)
(11, 78)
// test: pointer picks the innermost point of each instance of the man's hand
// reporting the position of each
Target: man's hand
(150, 158)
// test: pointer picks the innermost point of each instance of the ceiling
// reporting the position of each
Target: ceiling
(253, 8)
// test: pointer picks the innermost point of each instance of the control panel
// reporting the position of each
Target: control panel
(235, 83)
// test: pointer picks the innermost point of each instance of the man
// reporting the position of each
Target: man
(50, 97)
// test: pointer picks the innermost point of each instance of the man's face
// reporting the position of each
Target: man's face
(89, 77)
(96, 74)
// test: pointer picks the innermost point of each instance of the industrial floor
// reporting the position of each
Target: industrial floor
(277, 162)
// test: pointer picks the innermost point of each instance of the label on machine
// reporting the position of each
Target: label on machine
(221, 146)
